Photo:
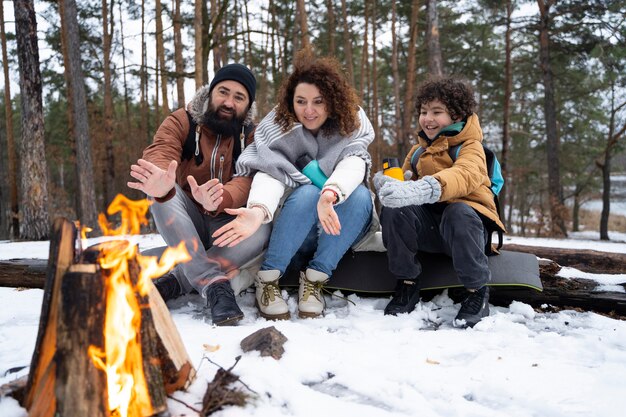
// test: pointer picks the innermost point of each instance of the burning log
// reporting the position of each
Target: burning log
(78, 368)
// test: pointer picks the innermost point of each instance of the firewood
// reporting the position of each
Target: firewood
(268, 341)
(64, 379)
(80, 388)
(61, 256)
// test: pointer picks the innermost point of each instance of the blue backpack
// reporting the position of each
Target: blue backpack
(494, 171)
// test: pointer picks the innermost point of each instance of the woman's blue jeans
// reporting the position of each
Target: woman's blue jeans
(297, 229)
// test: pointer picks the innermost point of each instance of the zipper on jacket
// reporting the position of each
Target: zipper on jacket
(221, 171)
(214, 156)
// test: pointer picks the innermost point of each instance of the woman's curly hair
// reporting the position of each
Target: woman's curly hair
(339, 96)
(457, 95)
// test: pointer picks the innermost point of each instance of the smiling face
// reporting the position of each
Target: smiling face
(229, 100)
(309, 106)
(433, 117)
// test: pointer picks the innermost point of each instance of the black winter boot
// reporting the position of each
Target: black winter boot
(404, 300)
(473, 308)
(168, 287)
(221, 300)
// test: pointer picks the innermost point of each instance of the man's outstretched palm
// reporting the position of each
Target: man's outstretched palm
(152, 180)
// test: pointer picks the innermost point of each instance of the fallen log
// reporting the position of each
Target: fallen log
(558, 292)
(582, 259)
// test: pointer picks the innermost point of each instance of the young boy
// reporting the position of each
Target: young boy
(443, 207)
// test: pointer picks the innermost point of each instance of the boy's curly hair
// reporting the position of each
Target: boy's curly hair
(457, 95)
(339, 96)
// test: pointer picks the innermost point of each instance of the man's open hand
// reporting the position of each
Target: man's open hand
(209, 194)
(152, 180)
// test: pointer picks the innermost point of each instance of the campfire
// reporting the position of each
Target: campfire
(107, 345)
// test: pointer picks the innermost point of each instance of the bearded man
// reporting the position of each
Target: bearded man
(193, 182)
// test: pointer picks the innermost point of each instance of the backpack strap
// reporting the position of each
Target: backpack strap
(192, 145)
(240, 145)
(492, 166)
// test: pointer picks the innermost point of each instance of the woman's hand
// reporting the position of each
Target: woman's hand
(247, 222)
(326, 213)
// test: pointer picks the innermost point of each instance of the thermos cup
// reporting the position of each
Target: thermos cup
(391, 168)
(311, 168)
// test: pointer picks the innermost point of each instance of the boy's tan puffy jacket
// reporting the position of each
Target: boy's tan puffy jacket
(466, 180)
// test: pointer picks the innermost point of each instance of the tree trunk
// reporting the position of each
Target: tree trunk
(276, 78)
(133, 140)
(70, 101)
(178, 56)
(555, 192)
(108, 179)
(197, 33)
(330, 10)
(576, 214)
(435, 65)
(143, 74)
(84, 169)
(409, 90)
(262, 98)
(395, 74)
(216, 29)
(14, 221)
(506, 112)
(613, 138)
(302, 22)
(35, 222)
(160, 49)
(375, 110)
(347, 43)
(364, 81)
(248, 48)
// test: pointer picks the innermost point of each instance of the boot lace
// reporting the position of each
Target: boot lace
(314, 288)
(218, 290)
(271, 291)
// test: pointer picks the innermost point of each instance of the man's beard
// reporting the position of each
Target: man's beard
(225, 127)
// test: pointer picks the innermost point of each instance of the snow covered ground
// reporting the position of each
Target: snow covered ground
(357, 362)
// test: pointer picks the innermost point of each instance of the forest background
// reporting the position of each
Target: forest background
(87, 84)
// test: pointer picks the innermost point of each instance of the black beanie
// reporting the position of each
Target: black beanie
(239, 73)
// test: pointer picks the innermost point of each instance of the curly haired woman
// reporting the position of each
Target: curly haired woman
(317, 117)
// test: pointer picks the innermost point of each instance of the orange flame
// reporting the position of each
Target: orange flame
(121, 359)
(133, 216)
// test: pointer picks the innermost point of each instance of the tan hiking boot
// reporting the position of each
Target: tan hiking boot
(310, 299)
(269, 301)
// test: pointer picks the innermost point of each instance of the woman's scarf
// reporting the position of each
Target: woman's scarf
(275, 152)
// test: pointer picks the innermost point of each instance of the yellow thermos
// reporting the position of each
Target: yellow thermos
(391, 168)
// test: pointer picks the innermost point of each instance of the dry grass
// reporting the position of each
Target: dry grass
(590, 220)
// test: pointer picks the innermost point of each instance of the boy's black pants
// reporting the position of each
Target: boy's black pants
(457, 231)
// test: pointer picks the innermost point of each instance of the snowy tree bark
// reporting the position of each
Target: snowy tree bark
(84, 168)
(35, 223)
(8, 116)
